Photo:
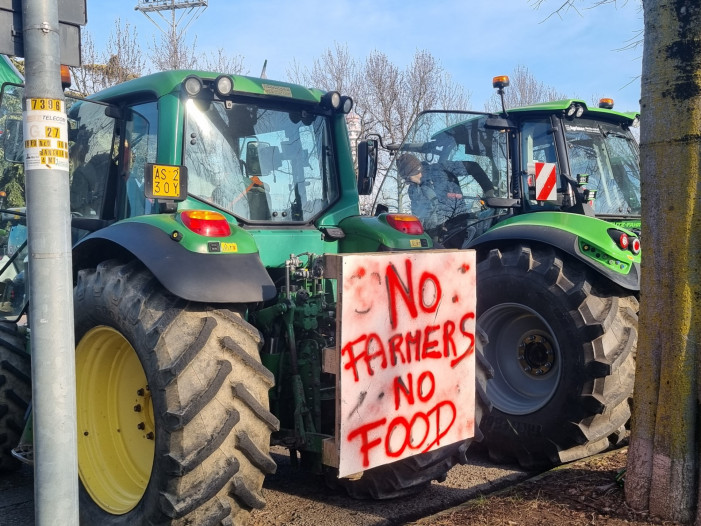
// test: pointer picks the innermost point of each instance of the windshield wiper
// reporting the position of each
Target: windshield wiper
(616, 134)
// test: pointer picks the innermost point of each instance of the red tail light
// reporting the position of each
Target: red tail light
(635, 246)
(623, 241)
(405, 223)
(206, 223)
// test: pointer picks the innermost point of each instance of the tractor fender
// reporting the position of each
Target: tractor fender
(193, 276)
(561, 239)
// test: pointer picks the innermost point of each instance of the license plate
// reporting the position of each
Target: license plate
(164, 181)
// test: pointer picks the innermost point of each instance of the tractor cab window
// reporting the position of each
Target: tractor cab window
(479, 160)
(91, 155)
(461, 163)
(139, 144)
(259, 163)
(608, 154)
(537, 146)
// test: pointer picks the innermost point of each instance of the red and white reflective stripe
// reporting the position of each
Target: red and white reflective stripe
(545, 182)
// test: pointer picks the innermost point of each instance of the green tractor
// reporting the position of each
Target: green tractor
(212, 220)
(549, 197)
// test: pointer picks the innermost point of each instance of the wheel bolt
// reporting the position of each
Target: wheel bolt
(149, 435)
(141, 425)
(137, 408)
(141, 392)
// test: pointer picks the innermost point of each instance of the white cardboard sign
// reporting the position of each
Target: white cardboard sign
(407, 366)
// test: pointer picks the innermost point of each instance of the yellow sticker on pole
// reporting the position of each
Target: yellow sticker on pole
(45, 130)
(46, 104)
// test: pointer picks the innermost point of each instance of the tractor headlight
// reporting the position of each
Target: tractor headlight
(192, 85)
(574, 110)
(331, 100)
(224, 85)
(346, 104)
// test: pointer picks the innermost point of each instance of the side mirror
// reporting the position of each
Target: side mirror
(12, 140)
(367, 165)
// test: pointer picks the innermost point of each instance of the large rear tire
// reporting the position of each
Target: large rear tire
(560, 346)
(404, 477)
(15, 392)
(173, 420)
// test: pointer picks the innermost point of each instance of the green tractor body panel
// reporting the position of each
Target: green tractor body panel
(277, 245)
(372, 234)
(192, 268)
(579, 236)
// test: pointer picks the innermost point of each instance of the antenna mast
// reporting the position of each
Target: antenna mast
(193, 9)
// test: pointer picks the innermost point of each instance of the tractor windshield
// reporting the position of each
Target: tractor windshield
(461, 163)
(259, 163)
(608, 154)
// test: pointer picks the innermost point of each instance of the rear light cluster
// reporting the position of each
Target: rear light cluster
(405, 223)
(206, 223)
(624, 241)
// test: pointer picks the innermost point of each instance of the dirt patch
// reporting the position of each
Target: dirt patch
(585, 492)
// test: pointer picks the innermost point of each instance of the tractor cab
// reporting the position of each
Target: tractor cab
(479, 168)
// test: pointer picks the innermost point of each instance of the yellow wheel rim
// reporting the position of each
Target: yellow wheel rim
(116, 433)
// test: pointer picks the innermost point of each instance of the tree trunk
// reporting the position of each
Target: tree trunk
(663, 464)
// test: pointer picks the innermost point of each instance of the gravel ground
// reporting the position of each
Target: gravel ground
(298, 499)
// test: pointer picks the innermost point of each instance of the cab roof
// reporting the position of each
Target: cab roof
(562, 105)
(159, 84)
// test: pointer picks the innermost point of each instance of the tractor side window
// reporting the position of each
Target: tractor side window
(460, 163)
(538, 145)
(90, 155)
(480, 162)
(139, 148)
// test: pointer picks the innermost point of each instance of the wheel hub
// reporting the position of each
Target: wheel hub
(535, 355)
(116, 431)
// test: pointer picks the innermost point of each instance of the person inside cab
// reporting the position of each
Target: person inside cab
(435, 198)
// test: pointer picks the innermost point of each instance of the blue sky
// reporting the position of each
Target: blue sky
(581, 54)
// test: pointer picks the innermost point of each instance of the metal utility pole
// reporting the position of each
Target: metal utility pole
(51, 292)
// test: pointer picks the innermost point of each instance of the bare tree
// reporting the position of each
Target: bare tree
(572, 5)
(396, 97)
(173, 52)
(336, 69)
(122, 60)
(664, 469)
(223, 63)
(524, 89)
(387, 98)
(86, 79)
